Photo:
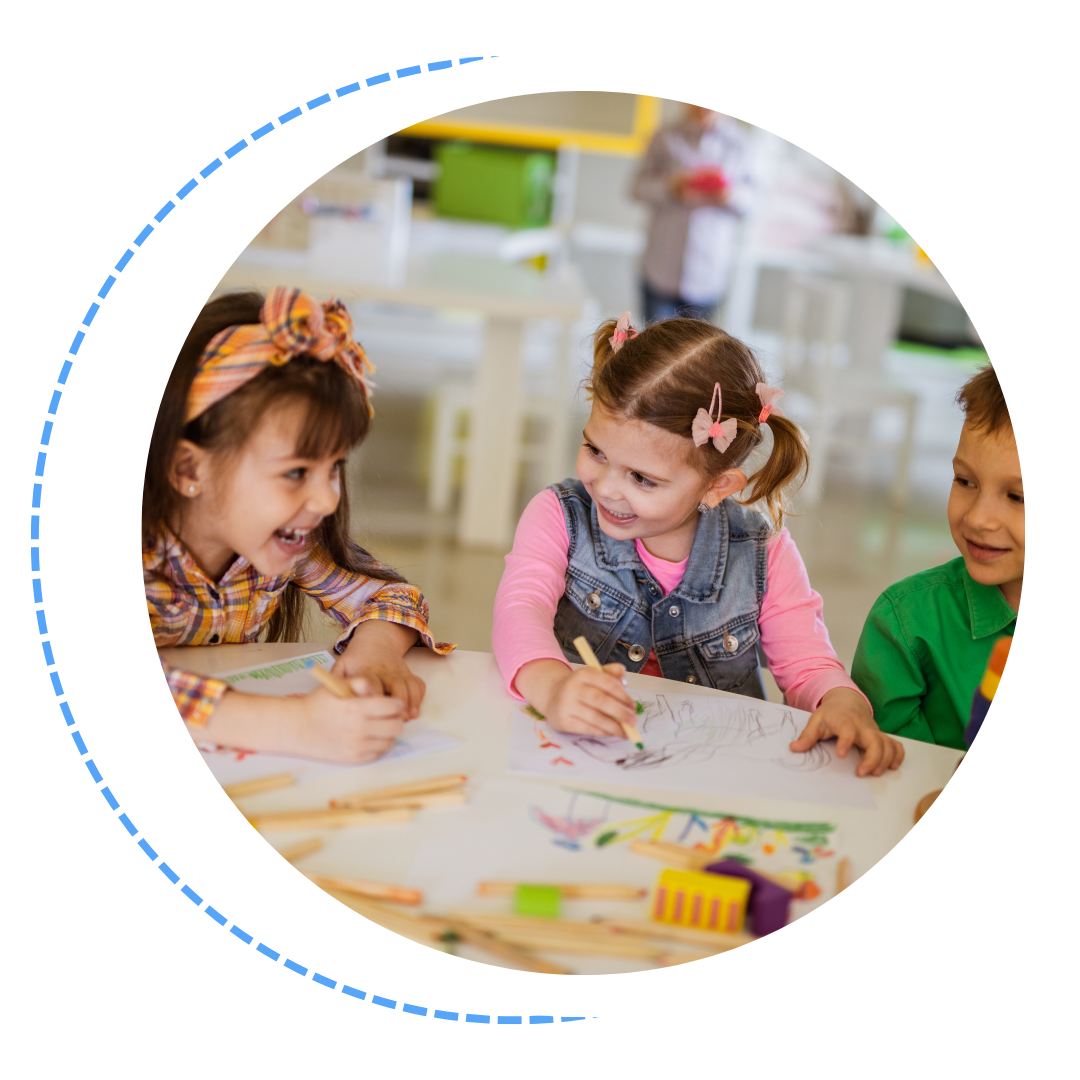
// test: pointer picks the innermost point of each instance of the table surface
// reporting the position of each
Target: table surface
(467, 282)
(466, 698)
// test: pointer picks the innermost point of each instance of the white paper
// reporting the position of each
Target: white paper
(291, 677)
(694, 742)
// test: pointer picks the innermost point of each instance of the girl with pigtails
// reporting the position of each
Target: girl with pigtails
(653, 557)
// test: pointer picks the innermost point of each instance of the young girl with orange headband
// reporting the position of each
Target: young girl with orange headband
(652, 557)
(245, 510)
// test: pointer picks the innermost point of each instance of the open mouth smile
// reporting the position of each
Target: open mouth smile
(292, 540)
(615, 519)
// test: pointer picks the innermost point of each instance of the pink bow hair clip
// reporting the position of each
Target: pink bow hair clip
(623, 330)
(705, 427)
(768, 395)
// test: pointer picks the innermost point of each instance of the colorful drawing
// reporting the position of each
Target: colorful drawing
(568, 829)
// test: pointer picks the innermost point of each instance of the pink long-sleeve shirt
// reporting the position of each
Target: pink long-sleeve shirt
(792, 631)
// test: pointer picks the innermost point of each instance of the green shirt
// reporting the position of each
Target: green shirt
(923, 651)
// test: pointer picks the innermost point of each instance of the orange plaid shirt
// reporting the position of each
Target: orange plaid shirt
(187, 608)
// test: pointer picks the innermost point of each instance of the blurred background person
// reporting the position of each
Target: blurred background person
(695, 182)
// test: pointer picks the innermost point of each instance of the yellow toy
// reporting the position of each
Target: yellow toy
(707, 901)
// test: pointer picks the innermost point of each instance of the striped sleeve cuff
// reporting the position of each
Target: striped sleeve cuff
(196, 696)
(398, 603)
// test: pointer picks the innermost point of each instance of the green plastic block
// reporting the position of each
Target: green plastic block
(539, 901)
(486, 183)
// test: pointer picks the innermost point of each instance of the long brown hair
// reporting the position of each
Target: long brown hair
(335, 421)
(665, 373)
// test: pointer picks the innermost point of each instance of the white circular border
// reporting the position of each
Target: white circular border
(206, 262)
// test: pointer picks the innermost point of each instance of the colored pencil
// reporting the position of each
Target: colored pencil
(417, 787)
(298, 851)
(589, 657)
(406, 802)
(843, 875)
(569, 892)
(263, 783)
(337, 686)
(374, 890)
(325, 819)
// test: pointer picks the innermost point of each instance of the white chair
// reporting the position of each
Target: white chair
(449, 454)
(816, 318)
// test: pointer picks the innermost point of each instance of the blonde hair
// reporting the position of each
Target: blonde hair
(664, 374)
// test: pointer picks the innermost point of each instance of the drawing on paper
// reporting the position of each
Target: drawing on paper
(686, 731)
(697, 742)
(790, 849)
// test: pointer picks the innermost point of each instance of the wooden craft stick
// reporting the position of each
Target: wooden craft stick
(417, 787)
(337, 686)
(589, 657)
(843, 875)
(718, 940)
(325, 819)
(305, 847)
(671, 959)
(481, 939)
(374, 890)
(417, 802)
(569, 892)
(432, 930)
(263, 783)
(681, 858)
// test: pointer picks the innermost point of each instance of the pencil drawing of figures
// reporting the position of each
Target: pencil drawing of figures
(692, 730)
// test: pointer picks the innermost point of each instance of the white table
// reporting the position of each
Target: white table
(466, 698)
(875, 269)
(507, 295)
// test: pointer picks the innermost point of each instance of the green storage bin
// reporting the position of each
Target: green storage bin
(486, 183)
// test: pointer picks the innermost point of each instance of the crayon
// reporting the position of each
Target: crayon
(589, 657)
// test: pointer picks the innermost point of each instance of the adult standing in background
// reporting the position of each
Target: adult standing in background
(695, 181)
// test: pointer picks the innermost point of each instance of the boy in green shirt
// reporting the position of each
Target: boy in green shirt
(927, 639)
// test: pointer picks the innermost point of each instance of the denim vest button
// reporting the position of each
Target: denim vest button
(593, 601)
(731, 643)
(691, 678)
(652, 589)
(673, 611)
(636, 654)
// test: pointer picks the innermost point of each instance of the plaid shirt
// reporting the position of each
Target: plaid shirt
(187, 608)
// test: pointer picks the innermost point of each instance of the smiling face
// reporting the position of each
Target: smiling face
(986, 509)
(261, 503)
(642, 485)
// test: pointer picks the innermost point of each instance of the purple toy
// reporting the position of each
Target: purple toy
(769, 904)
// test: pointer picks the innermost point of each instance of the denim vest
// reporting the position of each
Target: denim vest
(705, 631)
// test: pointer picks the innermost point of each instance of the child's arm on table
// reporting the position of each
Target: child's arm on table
(318, 725)
(578, 700)
(808, 671)
(380, 620)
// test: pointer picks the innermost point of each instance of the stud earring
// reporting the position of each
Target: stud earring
(703, 509)
(191, 490)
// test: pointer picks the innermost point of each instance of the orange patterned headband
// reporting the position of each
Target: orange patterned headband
(291, 324)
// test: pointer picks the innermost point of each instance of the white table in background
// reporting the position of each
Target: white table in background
(877, 272)
(466, 698)
(508, 296)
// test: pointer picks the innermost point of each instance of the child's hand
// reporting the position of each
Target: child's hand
(352, 730)
(377, 653)
(845, 714)
(591, 702)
